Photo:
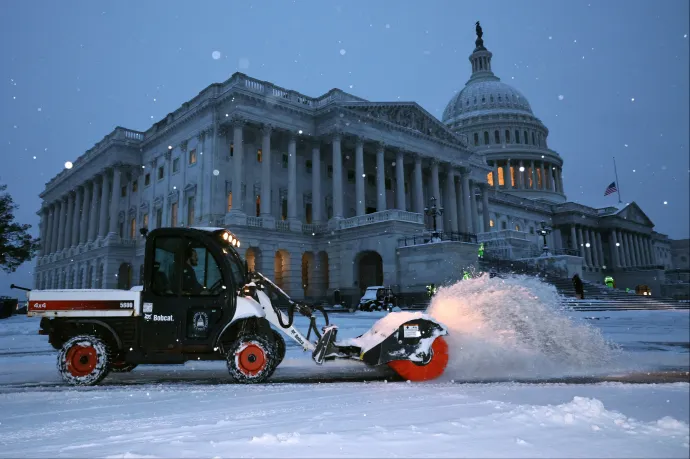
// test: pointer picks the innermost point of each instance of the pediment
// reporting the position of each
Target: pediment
(633, 213)
(406, 115)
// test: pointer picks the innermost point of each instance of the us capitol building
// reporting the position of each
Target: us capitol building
(337, 192)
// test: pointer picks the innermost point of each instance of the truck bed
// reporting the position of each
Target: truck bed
(84, 303)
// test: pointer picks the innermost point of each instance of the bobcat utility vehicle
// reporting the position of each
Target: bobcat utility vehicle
(199, 301)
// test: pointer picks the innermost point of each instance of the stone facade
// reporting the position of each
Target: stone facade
(321, 191)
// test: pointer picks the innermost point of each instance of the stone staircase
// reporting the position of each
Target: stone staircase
(596, 297)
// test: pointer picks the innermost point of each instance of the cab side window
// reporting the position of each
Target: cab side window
(165, 264)
(200, 273)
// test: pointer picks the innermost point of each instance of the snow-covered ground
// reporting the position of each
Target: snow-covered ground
(353, 411)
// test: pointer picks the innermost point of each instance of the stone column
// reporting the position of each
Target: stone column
(418, 185)
(380, 178)
(648, 253)
(61, 226)
(266, 160)
(485, 207)
(70, 213)
(115, 201)
(496, 186)
(452, 205)
(47, 245)
(316, 183)
(593, 249)
(359, 177)
(614, 250)
(104, 207)
(238, 164)
(93, 212)
(85, 215)
(628, 250)
(623, 252)
(638, 249)
(292, 179)
(459, 197)
(337, 176)
(573, 237)
(543, 177)
(436, 192)
(474, 209)
(581, 243)
(78, 200)
(400, 181)
(521, 175)
(652, 252)
(466, 197)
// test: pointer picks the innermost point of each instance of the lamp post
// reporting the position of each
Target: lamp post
(433, 212)
(545, 231)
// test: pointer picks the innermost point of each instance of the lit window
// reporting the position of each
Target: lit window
(490, 178)
(173, 215)
(229, 201)
(133, 229)
(176, 165)
(192, 156)
(259, 155)
(491, 223)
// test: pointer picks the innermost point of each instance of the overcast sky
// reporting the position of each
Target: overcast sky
(73, 70)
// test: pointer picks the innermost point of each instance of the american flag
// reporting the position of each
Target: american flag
(610, 189)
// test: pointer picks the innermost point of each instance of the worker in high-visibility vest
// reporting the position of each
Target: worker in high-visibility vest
(609, 282)
(480, 252)
(431, 290)
(465, 275)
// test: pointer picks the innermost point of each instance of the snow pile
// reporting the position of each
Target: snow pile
(515, 327)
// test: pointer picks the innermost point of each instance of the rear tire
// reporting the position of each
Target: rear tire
(83, 360)
(251, 359)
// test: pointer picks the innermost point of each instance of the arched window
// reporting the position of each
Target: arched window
(507, 136)
(504, 225)
(533, 142)
(483, 99)
(476, 139)
(517, 136)
(526, 137)
(486, 137)
(497, 137)
(517, 227)
(491, 98)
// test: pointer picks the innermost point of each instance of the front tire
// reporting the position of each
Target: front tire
(83, 360)
(251, 359)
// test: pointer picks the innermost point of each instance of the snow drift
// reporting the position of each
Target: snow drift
(502, 328)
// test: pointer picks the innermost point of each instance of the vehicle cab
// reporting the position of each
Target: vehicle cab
(377, 298)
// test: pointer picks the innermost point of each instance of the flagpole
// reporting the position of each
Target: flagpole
(618, 183)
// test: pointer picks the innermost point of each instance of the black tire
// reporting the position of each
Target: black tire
(84, 360)
(251, 358)
(280, 345)
(122, 367)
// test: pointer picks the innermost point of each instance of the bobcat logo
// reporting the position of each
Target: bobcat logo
(200, 322)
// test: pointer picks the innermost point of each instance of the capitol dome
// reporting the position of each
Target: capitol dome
(500, 125)
(486, 97)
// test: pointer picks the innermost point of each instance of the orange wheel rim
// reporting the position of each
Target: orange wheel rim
(81, 360)
(412, 371)
(251, 359)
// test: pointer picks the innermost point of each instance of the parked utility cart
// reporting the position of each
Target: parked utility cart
(200, 302)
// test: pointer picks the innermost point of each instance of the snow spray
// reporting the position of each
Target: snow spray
(515, 327)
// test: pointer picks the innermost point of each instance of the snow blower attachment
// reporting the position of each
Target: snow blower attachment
(214, 308)
(412, 344)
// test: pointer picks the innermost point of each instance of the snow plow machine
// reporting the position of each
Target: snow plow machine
(199, 301)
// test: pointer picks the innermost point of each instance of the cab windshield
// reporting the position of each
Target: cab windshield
(236, 266)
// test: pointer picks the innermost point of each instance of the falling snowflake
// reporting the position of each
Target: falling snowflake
(216, 172)
(560, 97)
(388, 26)
(34, 157)
(40, 109)
(68, 165)
(342, 52)
(625, 145)
(550, 38)
(665, 202)
(632, 99)
(215, 55)
(685, 36)
(522, 168)
(299, 132)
